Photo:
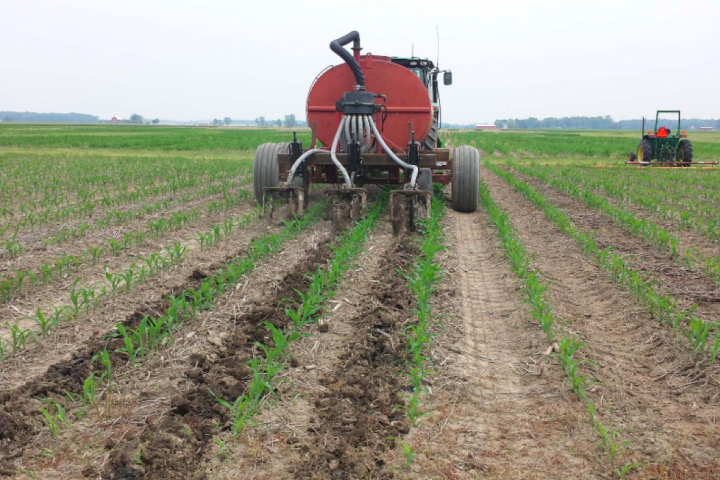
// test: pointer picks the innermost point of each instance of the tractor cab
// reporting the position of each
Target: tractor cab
(427, 72)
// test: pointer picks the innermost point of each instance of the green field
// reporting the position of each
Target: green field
(599, 145)
(137, 259)
(140, 137)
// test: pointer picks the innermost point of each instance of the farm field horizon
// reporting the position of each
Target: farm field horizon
(155, 323)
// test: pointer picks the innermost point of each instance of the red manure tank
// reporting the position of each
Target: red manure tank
(374, 121)
(405, 100)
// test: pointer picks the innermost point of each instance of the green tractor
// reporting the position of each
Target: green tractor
(662, 145)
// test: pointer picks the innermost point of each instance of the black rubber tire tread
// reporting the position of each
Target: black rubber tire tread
(647, 149)
(687, 151)
(465, 178)
(265, 167)
(424, 180)
(431, 142)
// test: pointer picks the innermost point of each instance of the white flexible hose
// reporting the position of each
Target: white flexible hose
(360, 137)
(414, 175)
(333, 152)
(368, 132)
(299, 162)
(348, 125)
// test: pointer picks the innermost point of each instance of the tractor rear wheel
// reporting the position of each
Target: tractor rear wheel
(645, 150)
(465, 178)
(685, 152)
(265, 167)
(432, 141)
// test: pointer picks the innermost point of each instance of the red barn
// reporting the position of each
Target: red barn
(485, 126)
(114, 120)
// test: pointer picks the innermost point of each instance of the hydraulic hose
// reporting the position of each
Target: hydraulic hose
(348, 128)
(368, 133)
(379, 138)
(299, 162)
(337, 47)
(333, 152)
(359, 131)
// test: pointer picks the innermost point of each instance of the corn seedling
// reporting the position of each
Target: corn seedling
(96, 253)
(113, 279)
(53, 415)
(19, 336)
(43, 323)
(104, 357)
(89, 389)
(222, 447)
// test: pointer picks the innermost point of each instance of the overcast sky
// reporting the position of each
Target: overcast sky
(185, 60)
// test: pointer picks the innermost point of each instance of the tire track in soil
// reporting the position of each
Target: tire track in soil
(680, 282)
(498, 409)
(174, 445)
(352, 416)
(647, 386)
(20, 420)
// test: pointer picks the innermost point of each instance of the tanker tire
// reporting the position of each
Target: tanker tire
(265, 168)
(431, 142)
(465, 178)
(685, 152)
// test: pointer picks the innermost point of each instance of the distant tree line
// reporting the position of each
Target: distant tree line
(457, 125)
(47, 117)
(290, 122)
(598, 123)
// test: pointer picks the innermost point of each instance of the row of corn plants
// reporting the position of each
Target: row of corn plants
(84, 298)
(686, 198)
(62, 206)
(66, 265)
(423, 278)
(154, 331)
(534, 290)
(703, 336)
(117, 217)
(639, 227)
(308, 309)
(41, 181)
(643, 228)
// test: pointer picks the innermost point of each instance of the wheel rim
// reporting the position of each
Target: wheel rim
(681, 154)
(640, 153)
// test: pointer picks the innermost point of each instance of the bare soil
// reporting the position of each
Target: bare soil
(498, 407)
(217, 364)
(646, 386)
